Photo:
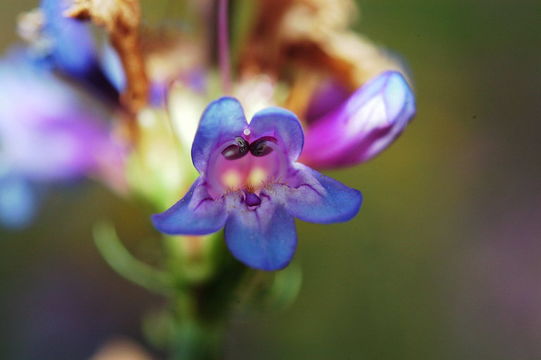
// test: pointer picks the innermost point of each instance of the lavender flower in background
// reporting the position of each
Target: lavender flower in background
(71, 45)
(249, 183)
(47, 135)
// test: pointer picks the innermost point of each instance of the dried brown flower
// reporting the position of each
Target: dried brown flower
(121, 19)
(313, 34)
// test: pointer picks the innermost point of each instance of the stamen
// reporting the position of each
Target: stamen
(232, 179)
(223, 45)
(261, 147)
(257, 177)
(237, 150)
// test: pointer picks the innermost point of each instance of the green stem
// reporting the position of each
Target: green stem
(194, 338)
(126, 265)
(200, 293)
(201, 309)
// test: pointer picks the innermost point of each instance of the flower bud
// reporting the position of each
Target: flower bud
(363, 126)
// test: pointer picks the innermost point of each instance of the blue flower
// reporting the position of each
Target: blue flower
(251, 184)
(72, 46)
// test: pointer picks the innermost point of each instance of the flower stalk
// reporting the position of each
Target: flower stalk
(224, 56)
(200, 306)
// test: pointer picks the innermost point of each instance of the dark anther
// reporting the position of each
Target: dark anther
(252, 199)
(260, 147)
(236, 150)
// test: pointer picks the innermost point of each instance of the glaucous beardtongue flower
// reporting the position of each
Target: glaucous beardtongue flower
(251, 184)
(363, 125)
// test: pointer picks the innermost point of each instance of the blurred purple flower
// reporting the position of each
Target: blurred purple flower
(360, 127)
(48, 133)
(251, 184)
(72, 50)
(72, 46)
(17, 200)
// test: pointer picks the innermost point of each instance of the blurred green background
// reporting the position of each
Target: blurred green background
(444, 261)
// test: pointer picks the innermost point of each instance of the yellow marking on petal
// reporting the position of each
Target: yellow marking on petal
(232, 179)
(257, 177)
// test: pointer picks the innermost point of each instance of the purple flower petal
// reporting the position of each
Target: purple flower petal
(72, 51)
(197, 213)
(222, 120)
(367, 123)
(73, 48)
(314, 197)
(330, 95)
(264, 238)
(282, 124)
(46, 131)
